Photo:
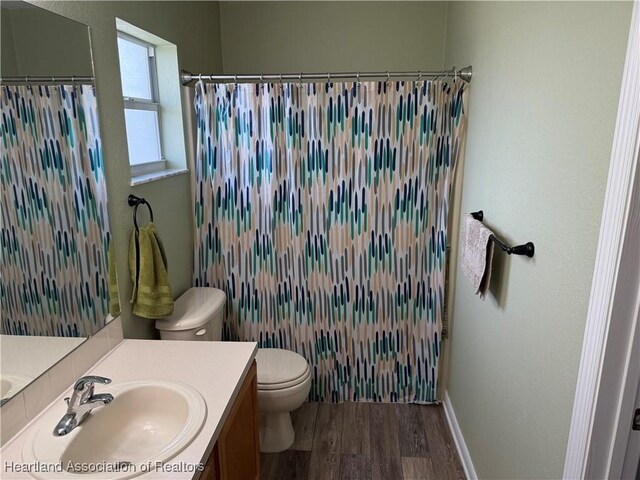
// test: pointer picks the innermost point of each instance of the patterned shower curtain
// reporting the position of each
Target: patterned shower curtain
(321, 209)
(55, 228)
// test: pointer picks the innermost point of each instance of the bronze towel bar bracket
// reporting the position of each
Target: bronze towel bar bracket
(526, 249)
(135, 202)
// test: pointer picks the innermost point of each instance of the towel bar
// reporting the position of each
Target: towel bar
(527, 249)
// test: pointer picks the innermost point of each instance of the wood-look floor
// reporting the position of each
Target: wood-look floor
(350, 441)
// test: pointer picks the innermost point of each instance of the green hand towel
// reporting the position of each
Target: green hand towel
(114, 299)
(152, 296)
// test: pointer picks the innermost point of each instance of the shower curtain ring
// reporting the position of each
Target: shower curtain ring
(388, 77)
(329, 77)
(280, 78)
(419, 76)
(358, 76)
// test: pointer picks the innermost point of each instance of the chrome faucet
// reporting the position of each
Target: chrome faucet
(81, 403)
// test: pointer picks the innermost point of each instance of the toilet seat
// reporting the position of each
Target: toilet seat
(280, 369)
(284, 385)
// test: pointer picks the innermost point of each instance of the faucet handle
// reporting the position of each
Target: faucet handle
(89, 381)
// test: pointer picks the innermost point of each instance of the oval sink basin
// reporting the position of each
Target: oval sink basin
(147, 422)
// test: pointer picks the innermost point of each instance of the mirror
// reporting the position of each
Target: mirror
(54, 231)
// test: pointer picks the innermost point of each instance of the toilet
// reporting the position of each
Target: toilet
(284, 380)
(284, 377)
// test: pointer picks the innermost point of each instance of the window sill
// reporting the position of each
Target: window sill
(152, 177)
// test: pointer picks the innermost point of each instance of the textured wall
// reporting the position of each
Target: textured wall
(541, 120)
(194, 28)
(261, 37)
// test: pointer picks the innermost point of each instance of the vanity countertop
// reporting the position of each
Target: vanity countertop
(215, 369)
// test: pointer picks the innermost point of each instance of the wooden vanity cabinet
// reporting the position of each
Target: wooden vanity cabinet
(236, 454)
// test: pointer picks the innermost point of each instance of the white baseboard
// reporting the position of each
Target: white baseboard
(461, 445)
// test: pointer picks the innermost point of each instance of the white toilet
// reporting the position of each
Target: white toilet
(284, 377)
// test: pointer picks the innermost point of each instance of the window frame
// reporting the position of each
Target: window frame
(152, 104)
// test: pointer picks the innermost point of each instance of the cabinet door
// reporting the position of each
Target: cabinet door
(236, 455)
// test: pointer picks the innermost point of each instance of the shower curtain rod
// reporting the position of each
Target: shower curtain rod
(187, 77)
(53, 79)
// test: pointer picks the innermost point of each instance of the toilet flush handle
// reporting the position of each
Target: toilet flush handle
(201, 332)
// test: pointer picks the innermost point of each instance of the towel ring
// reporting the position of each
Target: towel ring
(135, 202)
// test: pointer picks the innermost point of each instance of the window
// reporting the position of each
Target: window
(141, 105)
(153, 109)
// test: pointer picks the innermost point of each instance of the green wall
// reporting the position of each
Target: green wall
(263, 37)
(194, 28)
(541, 120)
(8, 61)
(60, 47)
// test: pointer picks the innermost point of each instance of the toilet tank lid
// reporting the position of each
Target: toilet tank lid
(193, 309)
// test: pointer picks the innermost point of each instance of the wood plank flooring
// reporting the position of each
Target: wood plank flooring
(361, 441)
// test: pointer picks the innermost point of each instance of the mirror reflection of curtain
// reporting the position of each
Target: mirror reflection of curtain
(321, 209)
(55, 227)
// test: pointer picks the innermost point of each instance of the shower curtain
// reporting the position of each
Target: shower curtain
(321, 210)
(55, 226)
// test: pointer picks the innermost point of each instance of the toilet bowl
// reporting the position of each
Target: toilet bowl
(284, 377)
(284, 380)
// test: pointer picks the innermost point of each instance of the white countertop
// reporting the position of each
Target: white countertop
(215, 369)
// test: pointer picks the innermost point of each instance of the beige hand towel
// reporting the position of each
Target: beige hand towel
(477, 253)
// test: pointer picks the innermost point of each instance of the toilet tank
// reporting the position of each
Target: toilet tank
(197, 315)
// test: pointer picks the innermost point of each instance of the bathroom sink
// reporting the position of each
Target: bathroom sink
(147, 422)
(12, 383)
